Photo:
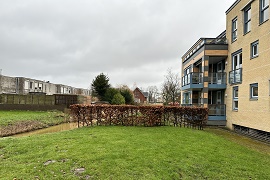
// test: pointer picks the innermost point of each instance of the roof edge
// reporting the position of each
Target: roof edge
(232, 6)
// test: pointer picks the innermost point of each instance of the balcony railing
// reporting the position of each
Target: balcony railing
(235, 76)
(217, 78)
(215, 41)
(217, 109)
(192, 78)
(192, 105)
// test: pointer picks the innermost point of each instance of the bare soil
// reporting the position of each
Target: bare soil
(20, 127)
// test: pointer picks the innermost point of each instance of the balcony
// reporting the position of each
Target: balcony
(217, 80)
(217, 112)
(192, 81)
(235, 76)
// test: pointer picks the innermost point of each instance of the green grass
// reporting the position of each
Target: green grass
(112, 152)
(46, 117)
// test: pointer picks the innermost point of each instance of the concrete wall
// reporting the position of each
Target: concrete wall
(251, 113)
(7, 84)
(27, 99)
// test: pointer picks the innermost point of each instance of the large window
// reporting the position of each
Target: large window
(234, 29)
(254, 49)
(247, 19)
(235, 76)
(235, 98)
(264, 10)
(254, 91)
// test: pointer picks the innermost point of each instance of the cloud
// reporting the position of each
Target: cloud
(70, 42)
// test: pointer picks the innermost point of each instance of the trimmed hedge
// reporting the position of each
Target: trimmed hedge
(128, 115)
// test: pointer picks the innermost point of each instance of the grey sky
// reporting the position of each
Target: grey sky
(132, 41)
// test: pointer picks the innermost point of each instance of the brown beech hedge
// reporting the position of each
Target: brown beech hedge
(128, 115)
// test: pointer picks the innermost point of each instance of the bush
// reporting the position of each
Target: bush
(118, 99)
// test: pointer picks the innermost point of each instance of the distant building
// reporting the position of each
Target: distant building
(139, 96)
(22, 85)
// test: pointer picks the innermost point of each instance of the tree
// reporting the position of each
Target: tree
(171, 88)
(118, 99)
(100, 85)
(127, 94)
(110, 94)
(152, 93)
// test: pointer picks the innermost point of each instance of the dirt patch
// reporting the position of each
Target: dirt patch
(20, 127)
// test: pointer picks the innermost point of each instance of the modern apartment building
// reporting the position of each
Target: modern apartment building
(230, 74)
(248, 88)
(204, 77)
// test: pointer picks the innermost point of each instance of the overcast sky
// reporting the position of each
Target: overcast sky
(131, 41)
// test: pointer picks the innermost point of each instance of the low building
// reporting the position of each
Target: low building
(23, 85)
(139, 96)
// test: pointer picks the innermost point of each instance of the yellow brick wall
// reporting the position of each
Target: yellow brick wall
(252, 114)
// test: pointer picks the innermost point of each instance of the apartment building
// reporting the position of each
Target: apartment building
(248, 88)
(204, 77)
(23, 85)
(230, 74)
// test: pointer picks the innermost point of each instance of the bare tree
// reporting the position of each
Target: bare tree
(153, 91)
(171, 88)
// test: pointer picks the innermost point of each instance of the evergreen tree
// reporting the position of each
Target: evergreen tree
(99, 86)
(128, 95)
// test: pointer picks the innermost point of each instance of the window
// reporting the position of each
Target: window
(31, 85)
(234, 29)
(254, 49)
(235, 98)
(235, 76)
(247, 19)
(254, 91)
(186, 99)
(264, 10)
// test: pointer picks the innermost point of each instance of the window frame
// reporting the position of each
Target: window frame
(252, 46)
(252, 86)
(235, 98)
(247, 19)
(234, 29)
(263, 9)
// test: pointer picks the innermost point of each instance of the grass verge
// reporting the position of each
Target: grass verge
(13, 122)
(110, 152)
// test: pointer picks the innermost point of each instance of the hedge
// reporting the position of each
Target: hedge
(129, 115)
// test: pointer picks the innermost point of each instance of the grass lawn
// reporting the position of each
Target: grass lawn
(12, 122)
(112, 152)
(47, 117)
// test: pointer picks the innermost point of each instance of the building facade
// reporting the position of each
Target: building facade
(204, 77)
(22, 85)
(139, 96)
(230, 74)
(248, 89)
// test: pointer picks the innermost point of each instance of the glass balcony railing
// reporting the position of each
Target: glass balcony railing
(192, 78)
(215, 41)
(217, 109)
(217, 78)
(235, 76)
